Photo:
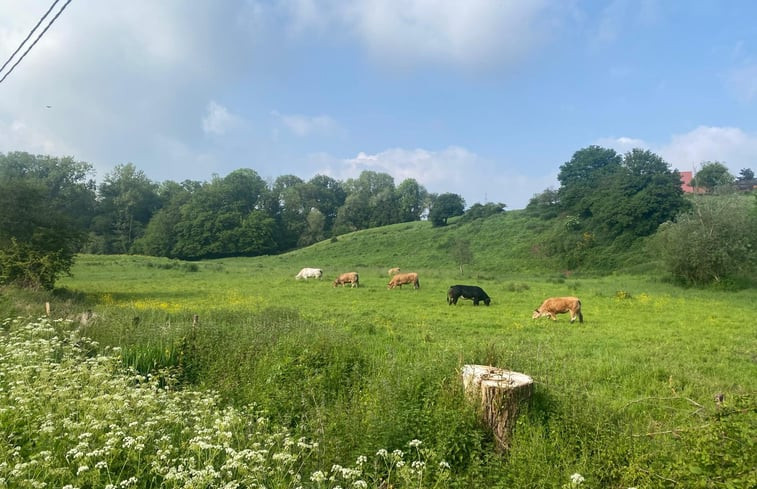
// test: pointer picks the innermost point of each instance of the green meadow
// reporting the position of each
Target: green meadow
(360, 387)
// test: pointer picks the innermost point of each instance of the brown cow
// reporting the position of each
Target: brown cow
(347, 278)
(393, 271)
(404, 278)
(558, 305)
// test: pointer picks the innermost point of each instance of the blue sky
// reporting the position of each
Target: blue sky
(482, 98)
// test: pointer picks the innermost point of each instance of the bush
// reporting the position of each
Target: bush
(715, 241)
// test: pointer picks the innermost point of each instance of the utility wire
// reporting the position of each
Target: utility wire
(28, 36)
(35, 41)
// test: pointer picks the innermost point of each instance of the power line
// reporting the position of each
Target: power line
(35, 41)
(29, 35)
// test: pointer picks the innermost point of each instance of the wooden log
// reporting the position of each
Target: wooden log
(499, 393)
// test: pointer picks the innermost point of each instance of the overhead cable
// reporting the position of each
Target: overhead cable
(35, 41)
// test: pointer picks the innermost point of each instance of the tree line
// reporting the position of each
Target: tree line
(52, 208)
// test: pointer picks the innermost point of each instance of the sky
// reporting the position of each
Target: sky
(482, 98)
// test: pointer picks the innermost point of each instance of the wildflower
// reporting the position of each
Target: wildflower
(382, 453)
(415, 443)
(576, 479)
(443, 465)
(318, 476)
(82, 468)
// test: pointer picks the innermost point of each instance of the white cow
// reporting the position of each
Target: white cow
(307, 273)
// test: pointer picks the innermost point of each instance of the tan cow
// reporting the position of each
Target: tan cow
(558, 305)
(404, 278)
(394, 271)
(348, 278)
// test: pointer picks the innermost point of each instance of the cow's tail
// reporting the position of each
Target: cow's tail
(580, 314)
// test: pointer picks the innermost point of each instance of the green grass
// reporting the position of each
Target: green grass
(625, 399)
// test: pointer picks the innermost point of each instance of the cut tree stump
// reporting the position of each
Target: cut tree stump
(500, 393)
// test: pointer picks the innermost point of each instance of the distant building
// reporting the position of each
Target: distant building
(686, 177)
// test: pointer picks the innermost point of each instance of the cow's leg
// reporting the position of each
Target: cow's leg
(475, 301)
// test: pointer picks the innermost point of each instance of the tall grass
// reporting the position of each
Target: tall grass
(625, 399)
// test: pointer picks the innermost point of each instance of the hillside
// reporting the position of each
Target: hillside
(512, 242)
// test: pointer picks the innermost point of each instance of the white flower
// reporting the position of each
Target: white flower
(415, 443)
(82, 468)
(318, 476)
(577, 479)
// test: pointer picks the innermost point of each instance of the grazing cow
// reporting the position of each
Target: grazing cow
(559, 305)
(472, 292)
(404, 278)
(348, 278)
(394, 271)
(307, 273)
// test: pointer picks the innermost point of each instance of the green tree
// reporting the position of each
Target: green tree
(445, 206)
(160, 236)
(714, 241)
(314, 231)
(746, 174)
(712, 175)
(482, 211)
(227, 217)
(545, 205)
(45, 205)
(127, 200)
(291, 209)
(411, 198)
(634, 200)
(581, 177)
(327, 195)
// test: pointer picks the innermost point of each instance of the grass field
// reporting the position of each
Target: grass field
(625, 399)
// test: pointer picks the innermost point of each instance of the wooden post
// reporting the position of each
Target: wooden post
(500, 393)
(47, 309)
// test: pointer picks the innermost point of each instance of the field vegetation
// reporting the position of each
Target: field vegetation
(154, 372)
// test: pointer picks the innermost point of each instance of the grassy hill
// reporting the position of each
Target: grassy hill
(626, 398)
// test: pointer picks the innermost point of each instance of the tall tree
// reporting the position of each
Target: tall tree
(226, 217)
(411, 197)
(127, 201)
(712, 175)
(445, 206)
(160, 235)
(581, 176)
(45, 204)
(643, 193)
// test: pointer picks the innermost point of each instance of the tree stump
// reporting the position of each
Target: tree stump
(500, 393)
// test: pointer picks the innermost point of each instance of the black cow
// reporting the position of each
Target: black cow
(473, 292)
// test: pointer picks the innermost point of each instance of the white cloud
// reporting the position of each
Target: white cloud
(728, 145)
(218, 120)
(454, 169)
(302, 125)
(473, 34)
(622, 144)
(731, 146)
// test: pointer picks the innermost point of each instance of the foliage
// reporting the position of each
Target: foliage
(445, 206)
(715, 241)
(712, 175)
(482, 211)
(127, 200)
(44, 205)
(607, 203)
(545, 204)
(59, 428)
